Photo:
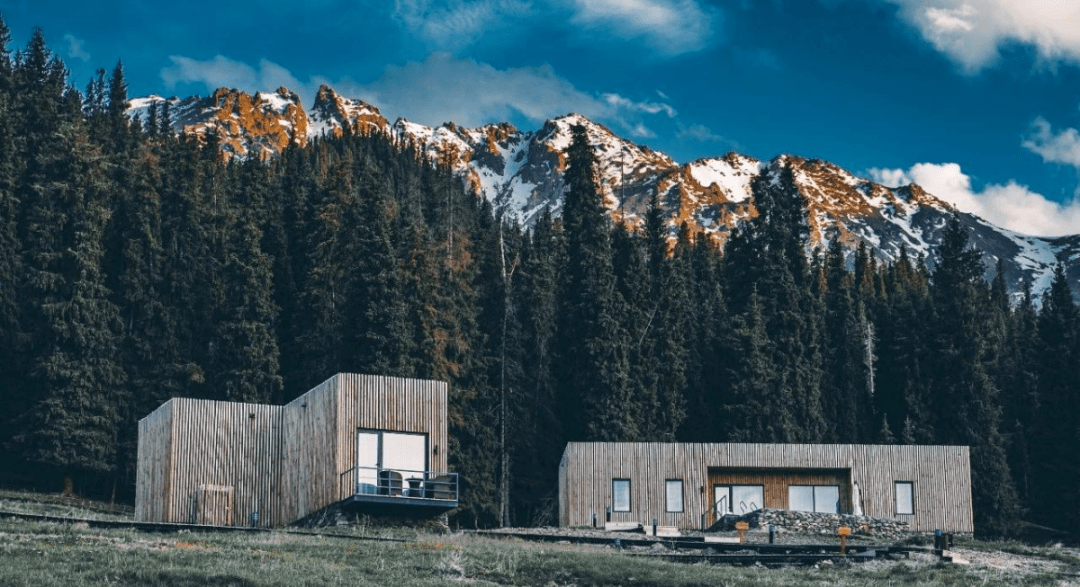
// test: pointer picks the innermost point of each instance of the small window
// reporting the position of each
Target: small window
(674, 495)
(905, 502)
(620, 495)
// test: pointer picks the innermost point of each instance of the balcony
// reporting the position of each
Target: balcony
(381, 491)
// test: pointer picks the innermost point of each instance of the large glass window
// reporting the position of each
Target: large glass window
(620, 495)
(827, 499)
(387, 460)
(673, 488)
(747, 498)
(800, 498)
(905, 498)
(814, 498)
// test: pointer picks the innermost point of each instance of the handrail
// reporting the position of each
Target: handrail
(713, 512)
(421, 484)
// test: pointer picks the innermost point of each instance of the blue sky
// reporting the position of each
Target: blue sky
(977, 100)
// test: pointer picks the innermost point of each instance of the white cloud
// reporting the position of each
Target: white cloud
(443, 88)
(670, 27)
(1054, 147)
(971, 32)
(667, 27)
(440, 89)
(220, 71)
(457, 23)
(703, 134)
(1012, 206)
(619, 102)
(75, 48)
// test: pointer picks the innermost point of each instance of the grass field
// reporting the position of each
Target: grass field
(36, 553)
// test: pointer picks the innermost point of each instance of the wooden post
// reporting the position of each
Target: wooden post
(844, 532)
(742, 527)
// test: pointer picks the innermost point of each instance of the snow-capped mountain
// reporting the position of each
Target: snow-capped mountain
(520, 172)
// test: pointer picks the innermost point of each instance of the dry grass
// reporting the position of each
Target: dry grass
(35, 553)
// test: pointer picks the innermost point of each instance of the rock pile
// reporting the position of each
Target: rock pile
(818, 523)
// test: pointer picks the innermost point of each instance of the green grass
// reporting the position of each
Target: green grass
(54, 504)
(37, 553)
(34, 553)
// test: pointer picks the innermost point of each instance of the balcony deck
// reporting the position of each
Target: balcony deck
(401, 493)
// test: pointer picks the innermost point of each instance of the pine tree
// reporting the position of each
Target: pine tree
(706, 357)
(595, 367)
(901, 394)
(767, 258)
(542, 437)
(332, 257)
(246, 365)
(1054, 469)
(846, 399)
(758, 409)
(12, 357)
(964, 397)
(1018, 378)
(379, 333)
(72, 427)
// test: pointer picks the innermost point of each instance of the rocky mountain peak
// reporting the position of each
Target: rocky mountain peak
(521, 173)
(332, 112)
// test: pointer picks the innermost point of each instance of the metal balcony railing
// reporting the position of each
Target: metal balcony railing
(377, 481)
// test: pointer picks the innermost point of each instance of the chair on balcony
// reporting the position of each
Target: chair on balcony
(389, 483)
(440, 487)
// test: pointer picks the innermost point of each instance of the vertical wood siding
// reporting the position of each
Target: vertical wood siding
(941, 476)
(219, 445)
(284, 463)
(151, 478)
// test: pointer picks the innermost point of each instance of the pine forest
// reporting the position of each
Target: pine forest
(136, 265)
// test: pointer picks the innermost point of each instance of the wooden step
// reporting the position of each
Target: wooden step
(622, 526)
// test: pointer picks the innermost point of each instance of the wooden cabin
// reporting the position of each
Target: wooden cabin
(691, 485)
(375, 444)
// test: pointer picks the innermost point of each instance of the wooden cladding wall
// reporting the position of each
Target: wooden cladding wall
(308, 480)
(282, 462)
(221, 444)
(941, 478)
(152, 476)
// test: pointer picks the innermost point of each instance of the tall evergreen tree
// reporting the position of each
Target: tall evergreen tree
(964, 397)
(1055, 471)
(542, 437)
(595, 367)
(72, 426)
(768, 258)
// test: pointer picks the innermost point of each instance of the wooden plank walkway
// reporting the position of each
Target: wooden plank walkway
(688, 543)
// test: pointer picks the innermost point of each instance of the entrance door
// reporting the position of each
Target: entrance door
(367, 461)
(721, 500)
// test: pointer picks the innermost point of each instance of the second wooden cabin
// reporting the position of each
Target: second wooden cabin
(372, 443)
(691, 485)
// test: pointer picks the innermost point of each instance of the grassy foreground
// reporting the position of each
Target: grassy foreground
(35, 553)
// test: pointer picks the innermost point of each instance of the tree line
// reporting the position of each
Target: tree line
(136, 265)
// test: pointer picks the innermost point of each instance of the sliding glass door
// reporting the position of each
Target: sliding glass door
(386, 460)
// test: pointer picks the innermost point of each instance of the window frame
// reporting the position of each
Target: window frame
(813, 498)
(812, 503)
(667, 496)
(629, 495)
(911, 497)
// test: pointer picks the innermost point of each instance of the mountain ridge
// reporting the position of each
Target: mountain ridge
(520, 172)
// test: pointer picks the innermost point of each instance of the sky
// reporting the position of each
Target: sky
(978, 101)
